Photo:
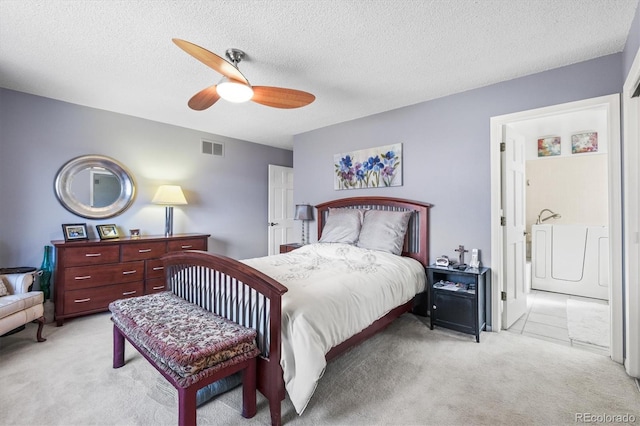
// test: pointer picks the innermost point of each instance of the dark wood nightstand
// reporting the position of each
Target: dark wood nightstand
(286, 248)
(458, 298)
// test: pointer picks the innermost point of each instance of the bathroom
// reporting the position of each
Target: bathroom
(567, 228)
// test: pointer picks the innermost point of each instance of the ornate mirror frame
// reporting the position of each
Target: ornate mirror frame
(64, 178)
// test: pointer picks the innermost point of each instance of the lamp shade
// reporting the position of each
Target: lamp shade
(170, 195)
(303, 212)
(233, 91)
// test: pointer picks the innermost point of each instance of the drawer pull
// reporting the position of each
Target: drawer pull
(82, 300)
(129, 272)
(93, 254)
(158, 268)
(187, 247)
(129, 293)
(84, 277)
(144, 250)
(158, 287)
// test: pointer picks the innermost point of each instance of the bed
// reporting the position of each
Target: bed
(283, 296)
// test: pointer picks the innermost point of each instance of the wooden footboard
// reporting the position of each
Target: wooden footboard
(241, 294)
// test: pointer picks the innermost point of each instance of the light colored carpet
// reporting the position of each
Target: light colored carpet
(407, 375)
(588, 322)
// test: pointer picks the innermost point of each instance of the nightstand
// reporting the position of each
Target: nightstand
(286, 248)
(458, 298)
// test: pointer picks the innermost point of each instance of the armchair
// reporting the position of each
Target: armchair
(18, 305)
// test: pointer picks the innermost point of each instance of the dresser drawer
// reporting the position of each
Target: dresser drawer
(155, 285)
(188, 244)
(143, 250)
(155, 269)
(91, 255)
(93, 276)
(98, 298)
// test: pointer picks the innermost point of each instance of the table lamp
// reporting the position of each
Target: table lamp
(304, 212)
(169, 196)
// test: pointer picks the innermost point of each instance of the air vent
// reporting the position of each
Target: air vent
(213, 148)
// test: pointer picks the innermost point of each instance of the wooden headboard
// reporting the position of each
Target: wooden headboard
(416, 244)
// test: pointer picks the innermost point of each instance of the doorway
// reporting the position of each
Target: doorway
(280, 218)
(503, 265)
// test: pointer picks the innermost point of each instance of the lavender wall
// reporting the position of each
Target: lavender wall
(446, 148)
(38, 135)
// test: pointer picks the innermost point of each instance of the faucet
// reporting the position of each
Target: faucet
(552, 216)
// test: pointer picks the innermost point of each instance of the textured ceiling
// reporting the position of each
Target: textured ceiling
(359, 57)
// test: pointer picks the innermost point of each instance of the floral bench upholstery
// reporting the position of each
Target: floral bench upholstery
(190, 346)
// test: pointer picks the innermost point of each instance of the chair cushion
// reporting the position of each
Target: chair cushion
(181, 337)
(19, 302)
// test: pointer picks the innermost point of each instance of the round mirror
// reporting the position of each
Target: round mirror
(94, 186)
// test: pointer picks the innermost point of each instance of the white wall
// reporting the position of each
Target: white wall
(573, 185)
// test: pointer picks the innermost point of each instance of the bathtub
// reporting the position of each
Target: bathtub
(570, 259)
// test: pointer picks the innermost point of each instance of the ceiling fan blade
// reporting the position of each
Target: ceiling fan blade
(279, 97)
(204, 98)
(211, 60)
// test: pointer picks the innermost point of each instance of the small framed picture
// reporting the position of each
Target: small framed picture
(75, 231)
(107, 232)
(549, 146)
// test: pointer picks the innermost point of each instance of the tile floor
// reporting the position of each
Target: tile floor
(546, 318)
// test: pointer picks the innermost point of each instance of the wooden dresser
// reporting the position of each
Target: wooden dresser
(91, 274)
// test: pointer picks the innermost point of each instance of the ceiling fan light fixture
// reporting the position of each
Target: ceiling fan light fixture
(233, 91)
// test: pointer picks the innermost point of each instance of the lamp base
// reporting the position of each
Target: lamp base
(168, 221)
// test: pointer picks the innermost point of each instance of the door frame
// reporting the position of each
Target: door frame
(612, 105)
(631, 109)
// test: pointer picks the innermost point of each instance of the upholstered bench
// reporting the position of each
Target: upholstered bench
(190, 346)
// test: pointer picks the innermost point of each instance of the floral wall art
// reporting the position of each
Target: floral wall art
(369, 168)
(584, 142)
(549, 146)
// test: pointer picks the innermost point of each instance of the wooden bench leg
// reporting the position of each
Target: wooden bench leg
(187, 406)
(118, 347)
(249, 390)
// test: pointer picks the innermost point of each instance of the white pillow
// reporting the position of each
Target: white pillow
(3, 288)
(343, 226)
(384, 230)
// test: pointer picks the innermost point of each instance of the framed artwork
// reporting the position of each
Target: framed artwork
(368, 168)
(107, 232)
(584, 142)
(75, 231)
(549, 146)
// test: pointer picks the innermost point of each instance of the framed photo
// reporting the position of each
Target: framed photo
(107, 232)
(75, 231)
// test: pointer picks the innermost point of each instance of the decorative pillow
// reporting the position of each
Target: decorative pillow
(216, 388)
(384, 230)
(3, 288)
(343, 226)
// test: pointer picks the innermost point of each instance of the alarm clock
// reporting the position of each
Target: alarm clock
(442, 261)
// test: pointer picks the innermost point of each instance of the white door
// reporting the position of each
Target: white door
(513, 206)
(280, 221)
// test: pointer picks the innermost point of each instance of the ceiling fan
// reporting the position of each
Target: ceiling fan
(234, 86)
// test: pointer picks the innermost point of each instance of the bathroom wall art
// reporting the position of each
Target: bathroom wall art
(584, 142)
(549, 146)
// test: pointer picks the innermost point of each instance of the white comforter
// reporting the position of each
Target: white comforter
(335, 291)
